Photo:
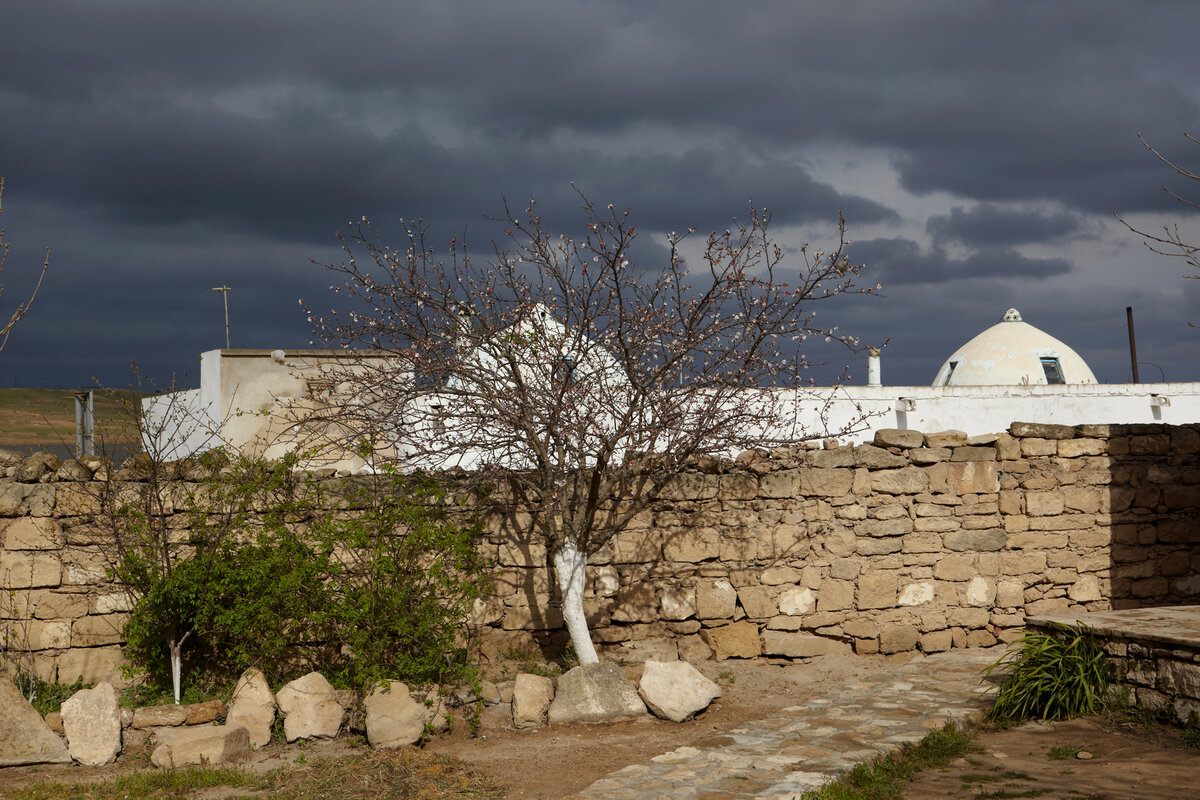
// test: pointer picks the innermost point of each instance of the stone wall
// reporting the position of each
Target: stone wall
(916, 542)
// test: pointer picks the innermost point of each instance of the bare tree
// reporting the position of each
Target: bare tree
(1171, 241)
(19, 312)
(581, 382)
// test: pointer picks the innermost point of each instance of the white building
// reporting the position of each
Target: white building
(1011, 372)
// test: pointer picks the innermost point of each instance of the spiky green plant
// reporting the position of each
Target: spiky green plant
(1055, 675)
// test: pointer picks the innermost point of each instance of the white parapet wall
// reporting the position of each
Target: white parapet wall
(991, 409)
(254, 400)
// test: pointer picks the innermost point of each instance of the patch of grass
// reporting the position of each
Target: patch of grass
(1063, 753)
(531, 662)
(1002, 794)
(159, 783)
(726, 678)
(35, 419)
(48, 697)
(199, 689)
(404, 774)
(1057, 675)
(883, 776)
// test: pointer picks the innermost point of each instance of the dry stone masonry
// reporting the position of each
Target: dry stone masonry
(917, 541)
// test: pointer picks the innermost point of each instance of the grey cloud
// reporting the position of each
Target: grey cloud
(902, 261)
(990, 225)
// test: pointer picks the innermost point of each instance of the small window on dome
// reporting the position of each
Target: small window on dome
(1053, 370)
(950, 372)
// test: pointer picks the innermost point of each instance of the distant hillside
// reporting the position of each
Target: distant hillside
(44, 419)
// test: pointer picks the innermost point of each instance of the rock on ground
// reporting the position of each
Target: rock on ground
(202, 744)
(253, 707)
(92, 720)
(676, 690)
(159, 716)
(393, 717)
(310, 708)
(531, 696)
(24, 737)
(595, 693)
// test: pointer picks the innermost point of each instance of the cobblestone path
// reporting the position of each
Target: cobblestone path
(804, 746)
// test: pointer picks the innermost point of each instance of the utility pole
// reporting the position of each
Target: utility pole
(224, 290)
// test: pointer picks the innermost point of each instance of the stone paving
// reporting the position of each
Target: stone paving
(804, 746)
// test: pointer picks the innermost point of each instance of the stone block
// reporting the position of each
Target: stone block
(159, 716)
(715, 599)
(677, 602)
(1044, 504)
(871, 457)
(973, 454)
(737, 640)
(692, 545)
(91, 665)
(92, 720)
(594, 693)
(29, 569)
(935, 642)
(31, 533)
(835, 595)
(1074, 448)
(638, 547)
(980, 592)
(974, 541)
(310, 708)
(898, 638)
(675, 690)
(916, 594)
(801, 645)
(825, 482)
(797, 600)
(946, 439)
(637, 603)
(207, 744)
(1032, 448)
(98, 629)
(1152, 445)
(924, 456)
(955, 567)
(780, 484)
(967, 477)
(884, 527)
(1024, 430)
(758, 601)
(24, 737)
(877, 590)
(906, 480)
(898, 437)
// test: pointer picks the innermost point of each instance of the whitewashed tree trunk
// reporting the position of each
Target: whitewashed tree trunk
(176, 648)
(570, 564)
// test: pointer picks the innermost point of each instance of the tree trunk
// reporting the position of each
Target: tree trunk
(570, 564)
(175, 648)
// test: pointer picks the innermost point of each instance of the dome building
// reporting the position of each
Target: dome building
(1013, 352)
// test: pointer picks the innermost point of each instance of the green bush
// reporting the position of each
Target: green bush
(1056, 675)
(275, 572)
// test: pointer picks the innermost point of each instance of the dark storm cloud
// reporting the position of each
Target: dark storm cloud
(989, 225)
(900, 261)
(163, 149)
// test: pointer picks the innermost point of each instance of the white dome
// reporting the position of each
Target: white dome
(1013, 352)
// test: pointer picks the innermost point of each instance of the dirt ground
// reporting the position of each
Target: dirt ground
(557, 762)
(1074, 760)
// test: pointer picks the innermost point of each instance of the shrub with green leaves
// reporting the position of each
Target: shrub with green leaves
(1055, 675)
(365, 580)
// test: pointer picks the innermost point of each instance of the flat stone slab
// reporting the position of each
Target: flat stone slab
(1171, 625)
(801, 748)
(24, 736)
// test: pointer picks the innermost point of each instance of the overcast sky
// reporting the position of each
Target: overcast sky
(977, 150)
